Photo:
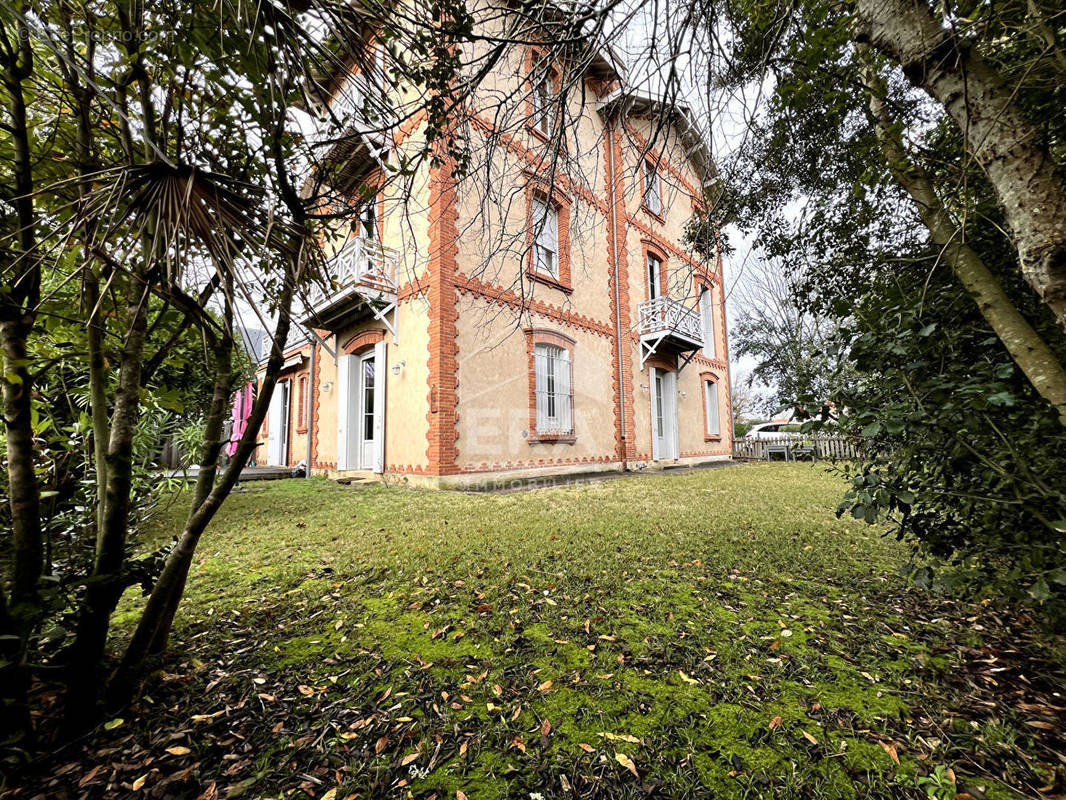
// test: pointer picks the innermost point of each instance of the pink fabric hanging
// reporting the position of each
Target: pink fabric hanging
(242, 409)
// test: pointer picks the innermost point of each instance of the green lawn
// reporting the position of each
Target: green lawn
(712, 634)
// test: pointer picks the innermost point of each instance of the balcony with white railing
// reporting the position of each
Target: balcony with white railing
(362, 279)
(351, 131)
(668, 326)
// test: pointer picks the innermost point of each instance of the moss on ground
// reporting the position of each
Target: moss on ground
(720, 631)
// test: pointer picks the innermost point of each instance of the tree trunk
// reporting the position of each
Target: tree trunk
(19, 298)
(16, 725)
(154, 626)
(105, 584)
(1012, 151)
(1029, 351)
(97, 395)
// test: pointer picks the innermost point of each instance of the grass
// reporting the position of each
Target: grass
(713, 634)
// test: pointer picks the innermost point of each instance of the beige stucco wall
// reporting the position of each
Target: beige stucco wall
(494, 391)
(406, 393)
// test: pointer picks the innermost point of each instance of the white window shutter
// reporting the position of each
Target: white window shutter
(563, 383)
(707, 315)
(342, 391)
(540, 358)
(379, 406)
(654, 407)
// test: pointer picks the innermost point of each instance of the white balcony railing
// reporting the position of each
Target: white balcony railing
(361, 267)
(665, 316)
(357, 108)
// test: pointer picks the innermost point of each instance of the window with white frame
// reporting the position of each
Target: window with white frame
(545, 238)
(653, 199)
(542, 97)
(368, 224)
(655, 271)
(710, 400)
(554, 389)
(707, 320)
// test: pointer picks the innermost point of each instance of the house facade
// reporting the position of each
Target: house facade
(544, 321)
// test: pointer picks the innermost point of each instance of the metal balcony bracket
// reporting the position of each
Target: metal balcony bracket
(381, 314)
(322, 342)
(647, 349)
(684, 363)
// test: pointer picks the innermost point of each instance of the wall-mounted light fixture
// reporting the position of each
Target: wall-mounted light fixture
(398, 366)
(327, 386)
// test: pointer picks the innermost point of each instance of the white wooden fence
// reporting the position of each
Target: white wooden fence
(798, 448)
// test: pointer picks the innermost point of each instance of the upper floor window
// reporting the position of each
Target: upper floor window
(368, 223)
(655, 276)
(554, 389)
(542, 96)
(710, 400)
(707, 320)
(653, 199)
(545, 238)
(302, 404)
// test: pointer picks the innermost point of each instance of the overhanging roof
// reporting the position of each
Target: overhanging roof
(635, 101)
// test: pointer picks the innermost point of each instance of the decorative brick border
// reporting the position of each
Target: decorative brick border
(442, 377)
(508, 297)
(664, 363)
(618, 270)
(535, 336)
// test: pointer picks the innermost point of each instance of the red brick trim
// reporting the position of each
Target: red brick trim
(508, 297)
(504, 466)
(669, 247)
(665, 363)
(536, 162)
(618, 270)
(442, 377)
(535, 336)
(650, 248)
(546, 193)
(362, 341)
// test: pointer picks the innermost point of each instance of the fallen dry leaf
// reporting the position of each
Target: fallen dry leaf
(891, 750)
(178, 750)
(627, 762)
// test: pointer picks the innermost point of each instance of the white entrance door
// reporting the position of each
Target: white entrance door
(664, 438)
(278, 431)
(361, 410)
(367, 386)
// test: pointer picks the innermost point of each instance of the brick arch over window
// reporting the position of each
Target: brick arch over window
(664, 363)
(542, 336)
(363, 340)
(649, 248)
